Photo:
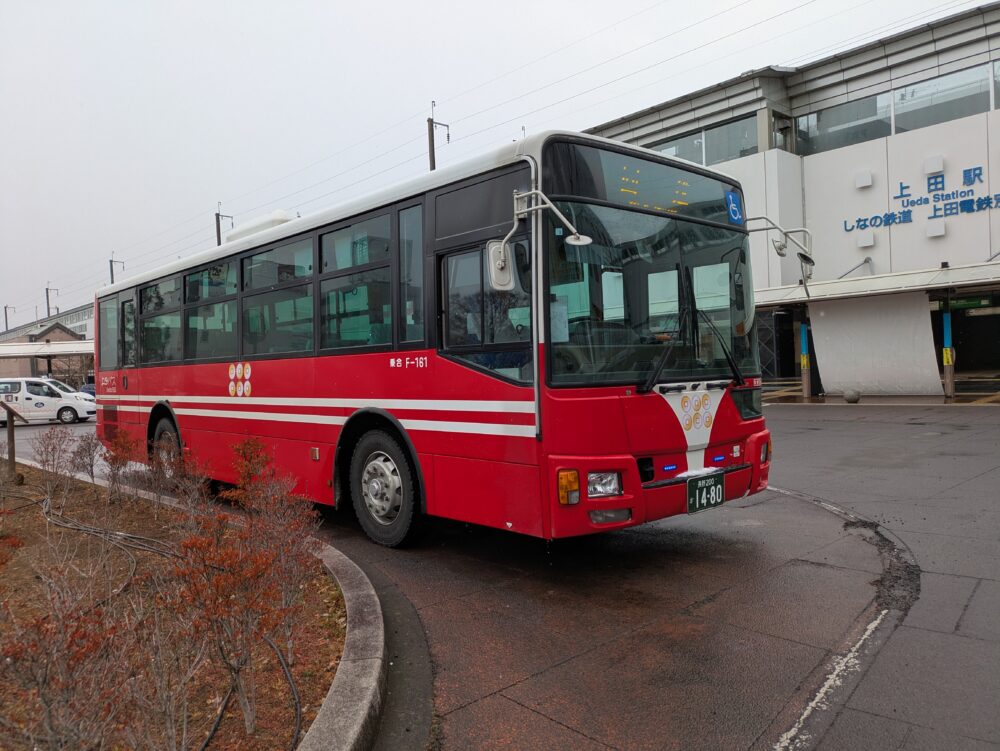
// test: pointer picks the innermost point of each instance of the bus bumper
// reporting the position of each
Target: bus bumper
(641, 502)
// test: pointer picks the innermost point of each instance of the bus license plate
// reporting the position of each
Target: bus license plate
(706, 492)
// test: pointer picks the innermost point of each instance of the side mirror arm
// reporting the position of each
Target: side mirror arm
(498, 253)
(804, 252)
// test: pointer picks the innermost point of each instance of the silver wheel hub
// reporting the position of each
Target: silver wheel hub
(381, 487)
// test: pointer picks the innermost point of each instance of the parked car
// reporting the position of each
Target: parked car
(69, 390)
(89, 388)
(39, 400)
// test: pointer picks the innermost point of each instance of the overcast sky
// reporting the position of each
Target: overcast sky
(123, 123)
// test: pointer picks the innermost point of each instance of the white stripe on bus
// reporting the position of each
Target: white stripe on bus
(442, 405)
(441, 426)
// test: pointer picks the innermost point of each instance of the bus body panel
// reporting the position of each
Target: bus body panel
(486, 446)
(630, 427)
(487, 449)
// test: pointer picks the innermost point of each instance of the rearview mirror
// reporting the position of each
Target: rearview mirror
(501, 267)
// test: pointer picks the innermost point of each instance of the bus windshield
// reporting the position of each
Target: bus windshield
(648, 288)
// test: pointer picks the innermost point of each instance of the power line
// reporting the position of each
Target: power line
(518, 117)
(479, 86)
(367, 139)
(637, 71)
(347, 171)
(855, 40)
(552, 53)
(619, 57)
(740, 51)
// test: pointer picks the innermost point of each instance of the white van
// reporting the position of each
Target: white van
(70, 391)
(39, 401)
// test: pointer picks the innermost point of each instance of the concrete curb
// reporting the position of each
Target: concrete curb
(349, 717)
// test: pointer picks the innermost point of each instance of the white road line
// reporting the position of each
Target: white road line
(842, 666)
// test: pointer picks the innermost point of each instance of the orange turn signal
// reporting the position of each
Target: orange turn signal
(569, 487)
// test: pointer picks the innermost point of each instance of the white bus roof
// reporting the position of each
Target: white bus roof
(527, 148)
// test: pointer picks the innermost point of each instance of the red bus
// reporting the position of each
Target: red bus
(554, 339)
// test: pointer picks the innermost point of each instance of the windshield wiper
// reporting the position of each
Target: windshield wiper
(662, 360)
(686, 293)
(725, 350)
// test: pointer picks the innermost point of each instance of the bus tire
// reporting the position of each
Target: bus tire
(165, 437)
(382, 489)
(67, 415)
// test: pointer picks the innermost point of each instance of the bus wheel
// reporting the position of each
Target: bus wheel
(382, 489)
(67, 416)
(166, 445)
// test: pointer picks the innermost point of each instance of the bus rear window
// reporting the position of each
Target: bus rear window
(108, 333)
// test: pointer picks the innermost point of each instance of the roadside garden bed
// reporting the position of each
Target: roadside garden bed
(128, 624)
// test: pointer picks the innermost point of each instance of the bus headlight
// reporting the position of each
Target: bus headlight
(603, 484)
(765, 452)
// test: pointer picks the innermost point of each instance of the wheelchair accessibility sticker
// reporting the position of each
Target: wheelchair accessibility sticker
(734, 207)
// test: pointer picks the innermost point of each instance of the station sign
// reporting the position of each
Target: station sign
(936, 202)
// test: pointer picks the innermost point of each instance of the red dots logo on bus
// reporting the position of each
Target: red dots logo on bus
(239, 379)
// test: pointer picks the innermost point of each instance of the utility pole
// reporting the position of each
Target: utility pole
(111, 266)
(48, 307)
(219, 216)
(6, 323)
(431, 124)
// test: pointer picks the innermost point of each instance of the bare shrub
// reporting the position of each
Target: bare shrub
(192, 490)
(53, 451)
(170, 650)
(120, 451)
(68, 659)
(227, 581)
(86, 455)
(281, 523)
(8, 545)
(159, 477)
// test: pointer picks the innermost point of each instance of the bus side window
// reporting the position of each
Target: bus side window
(487, 327)
(411, 273)
(255, 326)
(128, 334)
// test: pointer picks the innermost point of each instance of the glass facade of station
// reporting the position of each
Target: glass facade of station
(917, 105)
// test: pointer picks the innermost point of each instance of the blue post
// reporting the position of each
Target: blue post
(947, 352)
(804, 359)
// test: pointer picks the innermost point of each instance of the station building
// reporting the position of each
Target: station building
(889, 155)
(75, 325)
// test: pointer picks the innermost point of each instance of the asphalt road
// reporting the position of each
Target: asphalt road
(703, 632)
(23, 435)
(716, 631)
(931, 477)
